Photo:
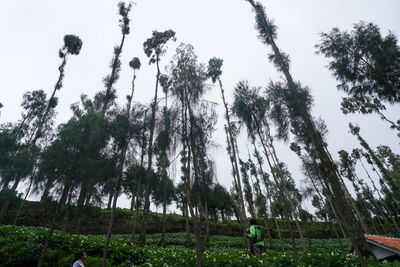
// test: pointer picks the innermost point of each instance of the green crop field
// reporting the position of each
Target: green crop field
(26, 243)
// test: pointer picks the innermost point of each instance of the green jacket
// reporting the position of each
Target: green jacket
(254, 233)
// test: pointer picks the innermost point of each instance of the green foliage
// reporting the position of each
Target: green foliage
(365, 62)
(25, 246)
(135, 63)
(154, 46)
(72, 44)
(214, 68)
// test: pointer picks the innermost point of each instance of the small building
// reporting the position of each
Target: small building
(384, 247)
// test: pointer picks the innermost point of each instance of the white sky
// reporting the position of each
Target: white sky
(32, 32)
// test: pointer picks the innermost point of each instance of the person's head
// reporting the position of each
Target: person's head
(253, 222)
(80, 256)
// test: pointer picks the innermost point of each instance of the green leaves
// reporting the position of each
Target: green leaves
(214, 68)
(225, 251)
(154, 46)
(135, 63)
(72, 44)
(365, 62)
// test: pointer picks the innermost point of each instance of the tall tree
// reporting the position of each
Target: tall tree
(357, 155)
(294, 107)
(252, 109)
(59, 160)
(109, 80)
(154, 48)
(125, 131)
(188, 86)
(365, 62)
(214, 71)
(72, 46)
(391, 187)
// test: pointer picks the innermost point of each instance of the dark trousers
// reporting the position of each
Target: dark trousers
(257, 250)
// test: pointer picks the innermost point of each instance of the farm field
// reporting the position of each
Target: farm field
(24, 247)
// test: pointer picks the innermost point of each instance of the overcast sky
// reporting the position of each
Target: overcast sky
(32, 33)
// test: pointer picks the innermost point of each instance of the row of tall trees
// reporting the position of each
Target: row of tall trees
(106, 149)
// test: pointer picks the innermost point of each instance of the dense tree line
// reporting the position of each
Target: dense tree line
(106, 149)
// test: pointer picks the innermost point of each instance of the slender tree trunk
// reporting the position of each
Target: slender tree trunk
(373, 202)
(44, 117)
(67, 211)
(269, 196)
(264, 214)
(114, 205)
(132, 203)
(137, 195)
(329, 217)
(234, 155)
(163, 227)
(329, 195)
(208, 243)
(194, 217)
(110, 198)
(120, 169)
(6, 204)
(282, 197)
(82, 195)
(188, 240)
(21, 206)
(113, 75)
(266, 225)
(53, 223)
(142, 237)
(87, 203)
(46, 191)
(283, 180)
(136, 216)
(223, 216)
(382, 200)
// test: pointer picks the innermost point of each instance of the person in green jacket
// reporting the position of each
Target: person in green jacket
(257, 244)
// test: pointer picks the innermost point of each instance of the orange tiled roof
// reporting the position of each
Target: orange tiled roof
(386, 241)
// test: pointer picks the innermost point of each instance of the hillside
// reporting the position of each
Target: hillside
(94, 221)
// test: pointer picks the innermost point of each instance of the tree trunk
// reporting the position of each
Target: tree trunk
(53, 223)
(120, 169)
(87, 202)
(110, 198)
(190, 206)
(222, 216)
(21, 206)
(136, 216)
(68, 208)
(44, 117)
(114, 206)
(208, 244)
(46, 191)
(329, 217)
(268, 195)
(6, 204)
(142, 237)
(234, 155)
(188, 240)
(82, 195)
(382, 200)
(163, 227)
(281, 194)
(275, 158)
(113, 75)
